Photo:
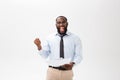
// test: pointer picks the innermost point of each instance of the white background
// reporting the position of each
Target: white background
(96, 22)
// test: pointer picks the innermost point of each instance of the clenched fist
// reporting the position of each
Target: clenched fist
(38, 43)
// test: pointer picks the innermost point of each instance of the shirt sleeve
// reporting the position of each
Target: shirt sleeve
(78, 51)
(45, 50)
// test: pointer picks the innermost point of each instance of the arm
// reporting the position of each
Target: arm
(43, 51)
(77, 58)
(78, 51)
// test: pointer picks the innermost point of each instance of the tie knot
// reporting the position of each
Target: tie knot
(62, 35)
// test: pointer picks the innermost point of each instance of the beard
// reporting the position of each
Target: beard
(65, 30)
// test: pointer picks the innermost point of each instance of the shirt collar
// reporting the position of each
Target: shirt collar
(67, 34)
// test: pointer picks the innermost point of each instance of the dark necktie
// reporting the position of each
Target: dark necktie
(61, 47)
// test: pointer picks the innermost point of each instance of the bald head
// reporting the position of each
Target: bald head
(63, 17)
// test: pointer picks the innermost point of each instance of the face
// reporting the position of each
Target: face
(61, 24)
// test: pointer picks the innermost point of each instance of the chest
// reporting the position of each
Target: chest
(68, 41)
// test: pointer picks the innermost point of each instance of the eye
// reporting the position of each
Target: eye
(58, 22)
(61, 22)
(64, 22)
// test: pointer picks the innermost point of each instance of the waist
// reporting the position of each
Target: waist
(59, 68)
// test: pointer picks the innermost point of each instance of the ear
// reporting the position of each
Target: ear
(67, 23)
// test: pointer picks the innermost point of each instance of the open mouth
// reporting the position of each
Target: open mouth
(62, 29)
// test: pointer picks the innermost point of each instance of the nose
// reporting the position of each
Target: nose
(61, 24)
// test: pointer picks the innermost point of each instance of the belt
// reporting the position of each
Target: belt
(59, 68)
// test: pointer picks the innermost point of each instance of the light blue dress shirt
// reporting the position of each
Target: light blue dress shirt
(72, 47)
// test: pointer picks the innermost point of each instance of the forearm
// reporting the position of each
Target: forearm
(77, 59)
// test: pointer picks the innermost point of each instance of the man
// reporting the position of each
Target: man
(62, 44)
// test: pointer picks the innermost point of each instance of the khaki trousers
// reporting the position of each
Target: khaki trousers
(55, 74)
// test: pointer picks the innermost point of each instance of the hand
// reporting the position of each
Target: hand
(38, 43)
(68, 66)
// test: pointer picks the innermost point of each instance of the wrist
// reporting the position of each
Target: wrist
(39, 47)
(72, 63)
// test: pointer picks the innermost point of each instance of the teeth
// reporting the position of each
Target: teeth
(61, 29)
